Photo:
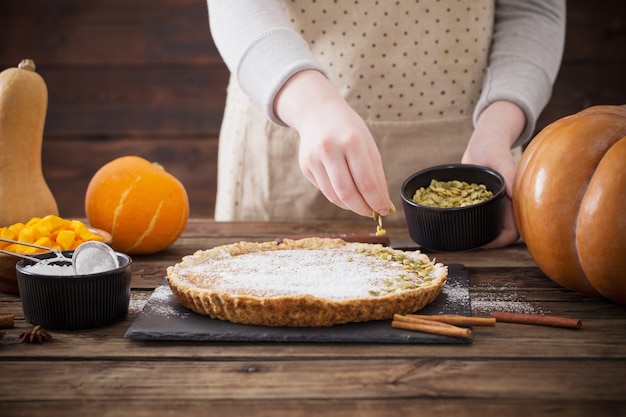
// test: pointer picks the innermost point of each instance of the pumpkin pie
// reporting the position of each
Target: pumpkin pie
(307, 282)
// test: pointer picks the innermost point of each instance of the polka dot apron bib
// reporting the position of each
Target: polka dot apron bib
(412, 69)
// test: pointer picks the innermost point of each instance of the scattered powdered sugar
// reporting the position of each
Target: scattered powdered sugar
(487, 302)
(162, 302)
(456, 292)
(488, 306)
(344, 274)
(138, 301)
(453, 294)
(483, 303)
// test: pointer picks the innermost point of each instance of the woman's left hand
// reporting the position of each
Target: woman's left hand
(497, 128)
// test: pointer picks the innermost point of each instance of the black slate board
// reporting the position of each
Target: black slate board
(163, 318)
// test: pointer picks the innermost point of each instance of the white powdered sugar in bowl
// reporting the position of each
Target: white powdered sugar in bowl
(41, 268)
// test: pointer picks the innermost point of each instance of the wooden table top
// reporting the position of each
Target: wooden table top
(509, 369)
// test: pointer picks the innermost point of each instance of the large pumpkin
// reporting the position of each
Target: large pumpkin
(569, 200)
(143, 207)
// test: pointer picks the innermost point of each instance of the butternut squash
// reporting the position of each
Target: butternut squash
(24, 193)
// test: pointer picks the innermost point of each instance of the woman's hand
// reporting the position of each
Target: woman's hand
(337, 151)
(497, 128)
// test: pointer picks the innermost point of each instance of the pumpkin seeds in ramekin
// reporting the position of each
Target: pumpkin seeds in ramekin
(451, 194)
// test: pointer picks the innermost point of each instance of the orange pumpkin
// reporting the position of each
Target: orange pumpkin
(143, 207)
(569, 200)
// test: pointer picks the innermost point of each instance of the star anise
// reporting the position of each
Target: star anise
(36, 335)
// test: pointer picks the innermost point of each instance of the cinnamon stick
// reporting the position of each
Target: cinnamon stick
(413, 319)
(459, 320)
(537, 319)
(426, 326)
(7, 321)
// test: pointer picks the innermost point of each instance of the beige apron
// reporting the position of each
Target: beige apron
(412, 70)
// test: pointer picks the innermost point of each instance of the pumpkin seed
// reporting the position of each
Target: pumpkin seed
(379, 222)
(417, 272)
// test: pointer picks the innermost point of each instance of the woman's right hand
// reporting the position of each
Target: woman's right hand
(337, 151)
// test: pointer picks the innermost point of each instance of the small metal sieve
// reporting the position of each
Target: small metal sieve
(88, 258)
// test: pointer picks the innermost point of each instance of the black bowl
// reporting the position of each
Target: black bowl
(458, 228)
(72, 302)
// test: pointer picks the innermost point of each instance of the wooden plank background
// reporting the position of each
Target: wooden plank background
(143, 77)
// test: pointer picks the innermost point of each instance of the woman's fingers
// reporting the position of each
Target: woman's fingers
(368, 175)
(348, 171)
(509, 233)
(319, 178)
(329, 171)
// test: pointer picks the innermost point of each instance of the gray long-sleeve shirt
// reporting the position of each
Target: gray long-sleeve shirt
(260, 47)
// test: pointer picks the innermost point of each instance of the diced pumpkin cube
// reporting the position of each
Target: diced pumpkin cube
(7, 233)
(13, 247)
(65, 239)
(33, 221)
(52, 223)
(75, 225)
(44, 241)
(85, 234)
(29, 250)
(16, 228)
(27, 234)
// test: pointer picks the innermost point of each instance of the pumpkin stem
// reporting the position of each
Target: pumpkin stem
(27, 64)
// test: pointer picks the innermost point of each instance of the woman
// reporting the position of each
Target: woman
(358, 95)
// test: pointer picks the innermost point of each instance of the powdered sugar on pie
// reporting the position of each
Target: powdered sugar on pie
(307, 282)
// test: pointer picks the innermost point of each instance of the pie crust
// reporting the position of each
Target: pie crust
(311, 282)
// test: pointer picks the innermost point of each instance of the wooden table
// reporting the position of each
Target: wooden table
(510, 369)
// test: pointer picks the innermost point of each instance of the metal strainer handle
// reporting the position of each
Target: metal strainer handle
(57, 252)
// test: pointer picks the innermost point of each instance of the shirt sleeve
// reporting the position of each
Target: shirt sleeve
(525, 57)
(259, 46)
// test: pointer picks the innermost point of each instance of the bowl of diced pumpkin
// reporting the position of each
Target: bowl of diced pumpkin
(51, 231)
